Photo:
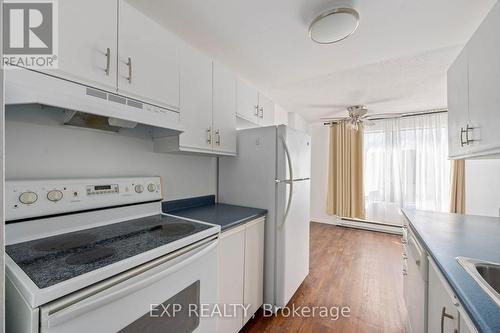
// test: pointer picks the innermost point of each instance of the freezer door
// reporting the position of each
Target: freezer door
(299, 147)
(292, 250)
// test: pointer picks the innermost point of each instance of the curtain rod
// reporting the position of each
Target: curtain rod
(401, 115)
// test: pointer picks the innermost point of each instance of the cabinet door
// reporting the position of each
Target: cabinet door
(195, 98)
(484, 82)
(266, 111)
(86, 30)
(148, 59)
(224, 109)
(231, 265)
(458, 101)
(247, 98)
(254, 268)
(440, 306)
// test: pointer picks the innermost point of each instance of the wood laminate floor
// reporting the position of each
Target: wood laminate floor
(348, 267)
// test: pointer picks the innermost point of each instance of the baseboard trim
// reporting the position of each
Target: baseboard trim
(378, 227)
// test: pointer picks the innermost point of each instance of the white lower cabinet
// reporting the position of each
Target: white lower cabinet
(442, 311)
(241, 278)
(231, 277)
(253, 295)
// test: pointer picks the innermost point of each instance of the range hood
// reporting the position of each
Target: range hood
(85, 106)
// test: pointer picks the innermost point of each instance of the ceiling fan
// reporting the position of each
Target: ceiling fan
(357, 115)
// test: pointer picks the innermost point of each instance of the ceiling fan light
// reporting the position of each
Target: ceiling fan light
(334, 25)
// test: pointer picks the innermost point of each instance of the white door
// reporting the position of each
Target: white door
(247, 102)
(484, 80)
(195, 99)
(292, 249)
(224, 109)
(231, 274)
(87, 42)
(458, 100)
(266, 111)
(148, 59)
(253, 295)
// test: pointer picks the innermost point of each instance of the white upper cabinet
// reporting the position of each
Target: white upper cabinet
(247, 102)
(458, 104)
(87, 42)
(266, 111)
(473, 93)
(195, 99)
(484, 83)
(224, 109)
(148, 58)
(207, 107)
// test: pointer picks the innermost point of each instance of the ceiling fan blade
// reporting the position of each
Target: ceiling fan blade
(368, 122)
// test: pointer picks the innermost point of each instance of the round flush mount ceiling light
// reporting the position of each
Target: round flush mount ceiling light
(334, 25)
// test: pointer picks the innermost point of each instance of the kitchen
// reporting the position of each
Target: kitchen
(173, 167)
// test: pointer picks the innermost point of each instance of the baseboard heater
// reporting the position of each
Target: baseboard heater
(371, 225)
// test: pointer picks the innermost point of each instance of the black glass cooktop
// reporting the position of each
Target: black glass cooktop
(51, 260)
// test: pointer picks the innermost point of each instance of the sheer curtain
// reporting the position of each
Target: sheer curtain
(406, 166)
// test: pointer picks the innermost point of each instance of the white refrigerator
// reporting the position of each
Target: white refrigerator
(272, 171)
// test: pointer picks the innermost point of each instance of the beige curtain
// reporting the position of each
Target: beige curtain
(457, 202)
(345, 196)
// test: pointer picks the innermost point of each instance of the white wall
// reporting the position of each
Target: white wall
(280, 115)
(296, 121)
(38, 147)
(482, 187)
(319, 174)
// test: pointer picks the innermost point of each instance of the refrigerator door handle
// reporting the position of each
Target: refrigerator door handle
(289, 182)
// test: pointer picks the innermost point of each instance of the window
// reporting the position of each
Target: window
(406, 166)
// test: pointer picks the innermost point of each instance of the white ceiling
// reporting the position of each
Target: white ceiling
(395, 62)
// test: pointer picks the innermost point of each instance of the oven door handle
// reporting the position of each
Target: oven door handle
(78, 304)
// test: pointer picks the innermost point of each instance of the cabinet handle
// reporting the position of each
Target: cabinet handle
(108, 61)
(209, 135)
(257, 110)
(261, 112)
(467, 130)
(445, 315)
(462, 142)
(217, 137)
(129, 64)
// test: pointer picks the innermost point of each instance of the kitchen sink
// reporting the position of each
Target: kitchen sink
(486, 274)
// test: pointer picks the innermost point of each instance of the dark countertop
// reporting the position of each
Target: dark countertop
(206, 210)
(447, 236)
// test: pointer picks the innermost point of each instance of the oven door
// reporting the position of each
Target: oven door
(168, 294)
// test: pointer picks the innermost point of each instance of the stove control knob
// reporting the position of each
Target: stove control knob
(139, 188)
(28, 198)
(54, 195)
(151, 187)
